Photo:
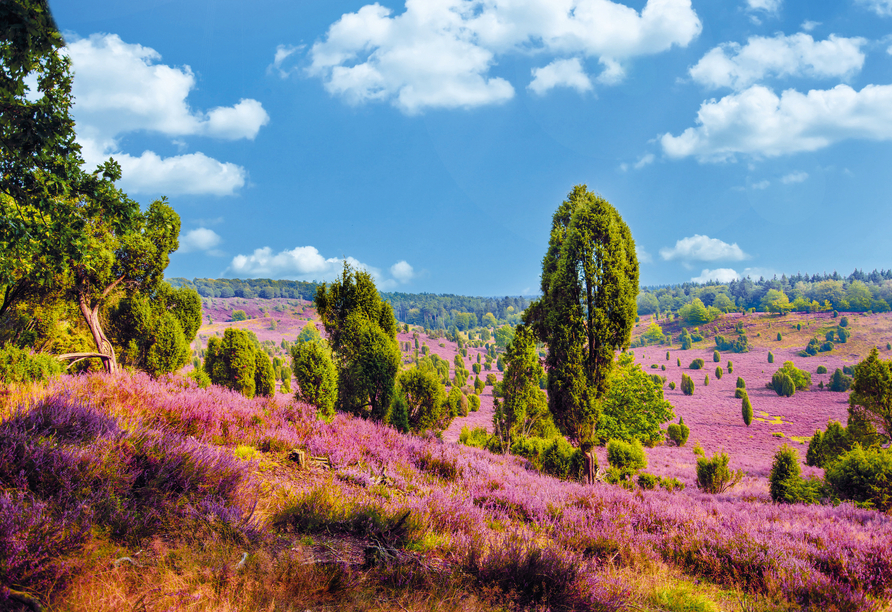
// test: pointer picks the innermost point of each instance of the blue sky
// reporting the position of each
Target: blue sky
(431, 140)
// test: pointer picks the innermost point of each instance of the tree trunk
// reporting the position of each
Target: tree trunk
(103, 346)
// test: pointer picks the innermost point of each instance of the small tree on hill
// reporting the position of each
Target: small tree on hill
(687, 385)
(747, 410)
(316, 376)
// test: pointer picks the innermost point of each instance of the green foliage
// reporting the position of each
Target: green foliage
(672, 385)
(200, 377)
(716, 356)
(588, 305)
(779, 337)
(718, 372)
(654, 334)
(425, 397)
(746, 408)
(789, 379)
(362, 333)
(687, 385)
(264, 375)
(739, 393)
(504, 336)
(871, 396)
(685, 340)
(741, 384)
(714, 476)
(309, 333)
(695, 313)
(634, 407)
(626, 457)
(553, 456)
(844, 322)
(477, 437)
(785, 483)
(474, 403)
(706, 381)
(398, 417)
(821, 369)
(827, 446)
(231, 362)
(770, 357)
(862, 476)
(697, 364)
(740, 345)
(18, 366)
(316, 376)
(843, 334)
(648, 482)
(839, 382)
(730, 367)
(238, 315)
(678, 433)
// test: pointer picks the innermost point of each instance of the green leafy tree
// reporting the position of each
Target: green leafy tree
(522, 410)
(362, 332)
(425, 400)
(714, 476)
(264, 374)
(504, 335)
(870, 399)
(634, 407)
(231, 362)
(315, 376)
(687, 385)
(746, 408)
(588, 305)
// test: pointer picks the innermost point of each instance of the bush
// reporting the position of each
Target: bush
(779, 337)
(829, 336)
(706, 381)
(716, 357)
(697, 364)
(200, 377)
(864, 477)
(843, 334)
(770, 357)
(687, 385)
(626, 457)
(555, 457)
(844, 322)
(785, 483)
(746, 409)
(474, 403)
(839, 382)
(667, 355)
(739, 393)
(822, 369)
(740, 345)
(741, 384)
(239, 315)
(730, 367)
(672, 386)
(678, 433)
(827, 446)
(718, 372)
(316, 376)
(19, 366)
(678, 362)
(798, 380)
(477, 437)
(648, 481)
(713, 475)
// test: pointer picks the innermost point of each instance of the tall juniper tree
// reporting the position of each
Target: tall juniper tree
(587, 309)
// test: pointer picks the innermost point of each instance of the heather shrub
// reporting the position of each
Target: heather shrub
(19, 366)
(822, 369)
(648, 481)
(672, 484)
(678, 432)
(697, 364)
(746, 409)
(716, 357)
(839, 382)
(714, 476)
(687, 385)
(862, 476)
(785, 482)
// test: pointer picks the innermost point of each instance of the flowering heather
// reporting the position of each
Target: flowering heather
(171, 461)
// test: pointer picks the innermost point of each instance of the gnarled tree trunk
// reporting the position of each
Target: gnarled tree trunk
(103, 346)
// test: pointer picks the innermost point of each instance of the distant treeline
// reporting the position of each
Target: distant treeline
(859, 291)
(426, 309)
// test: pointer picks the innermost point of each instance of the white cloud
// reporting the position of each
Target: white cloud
(201, 239)
(283, 52)
(730, 65)
(402, 271)
(560, 73)
(883, 8)
(306, 263)
(759, 123)
(190, 174)
(703, 248)
(120, 88)
(808, 25)
(794, 177)
(439, 54)
(643, 256)
(721, 275)
(768, 6)
(763, 184)
(647, 158)
(613, 72)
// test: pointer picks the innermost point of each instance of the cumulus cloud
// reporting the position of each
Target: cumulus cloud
(283, 52)
(794, 177)
(120, 88)
(735, 66)
(721, 275)
(763, 184)
(440, 54)
(883, 8)
(402, 271)
(808, 25)
(767, 6)
(201, 239)
(307, 263)
(560, 73)
(758, 122)
(703, 248)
